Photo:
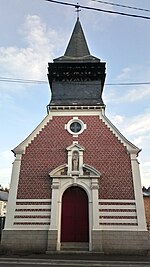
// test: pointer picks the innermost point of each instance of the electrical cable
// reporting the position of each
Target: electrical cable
(98, 9)
(16, 80)
(119, 5)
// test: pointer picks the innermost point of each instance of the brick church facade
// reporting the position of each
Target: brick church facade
(75, 180)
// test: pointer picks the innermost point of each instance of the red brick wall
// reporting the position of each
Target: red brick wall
(147, 210)
(46, 152)
(102, 151)
(106, 153)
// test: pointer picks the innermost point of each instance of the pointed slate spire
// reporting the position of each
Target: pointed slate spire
(77, 46)
(77, 49)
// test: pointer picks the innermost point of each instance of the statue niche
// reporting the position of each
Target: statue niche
(75, 161)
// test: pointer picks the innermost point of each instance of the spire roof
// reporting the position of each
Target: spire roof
(77, 46)
(77, 49)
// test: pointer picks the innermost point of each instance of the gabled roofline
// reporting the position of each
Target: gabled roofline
(20, 149)
(130, 147)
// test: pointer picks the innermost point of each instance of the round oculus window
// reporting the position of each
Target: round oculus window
(75, 127)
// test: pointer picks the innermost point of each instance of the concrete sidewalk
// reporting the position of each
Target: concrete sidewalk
(78, 256)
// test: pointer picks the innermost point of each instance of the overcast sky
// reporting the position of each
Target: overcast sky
(33, 32)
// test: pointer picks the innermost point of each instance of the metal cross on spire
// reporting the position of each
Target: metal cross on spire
(77, 6)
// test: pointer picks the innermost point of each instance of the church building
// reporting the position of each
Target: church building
(75, 181)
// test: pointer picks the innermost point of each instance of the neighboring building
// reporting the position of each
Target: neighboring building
(75, 180)
(146, 196)
(3, 208)
(3, 203)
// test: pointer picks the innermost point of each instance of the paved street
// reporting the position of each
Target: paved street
(71, 263)
(24, 262)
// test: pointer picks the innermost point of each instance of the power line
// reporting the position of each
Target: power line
(115, 4)
(128, 83)
(100, 10)
(13, 80)
(16, 80)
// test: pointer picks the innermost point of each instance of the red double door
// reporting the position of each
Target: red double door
(74, 218)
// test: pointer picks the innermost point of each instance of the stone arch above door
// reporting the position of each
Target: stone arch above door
(87, 171)
(88, 181)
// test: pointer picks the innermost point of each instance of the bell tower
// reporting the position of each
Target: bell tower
(77, 78)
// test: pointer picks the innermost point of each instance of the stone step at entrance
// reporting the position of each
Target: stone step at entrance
(74, 246)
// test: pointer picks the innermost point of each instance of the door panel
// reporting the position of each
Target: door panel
(74, 220)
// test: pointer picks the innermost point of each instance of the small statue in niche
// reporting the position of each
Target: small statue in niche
(75, 161)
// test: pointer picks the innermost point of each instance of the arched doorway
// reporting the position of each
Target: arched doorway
(74, 217)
